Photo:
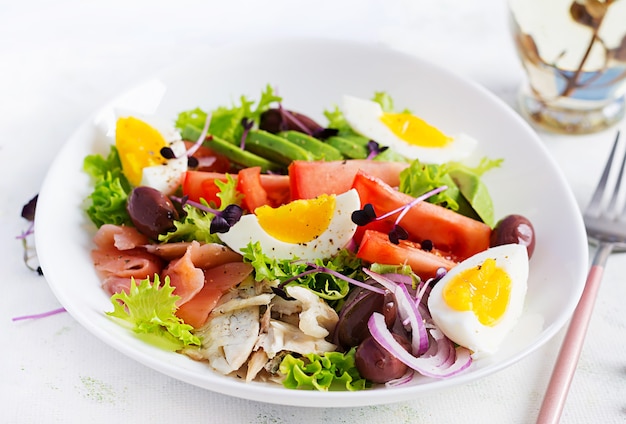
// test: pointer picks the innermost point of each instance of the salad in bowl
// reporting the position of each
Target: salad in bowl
(359, 252)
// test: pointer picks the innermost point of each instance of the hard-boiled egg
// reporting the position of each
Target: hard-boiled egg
(405, 133)
(308, 229)
(480, 300)
(139, 145)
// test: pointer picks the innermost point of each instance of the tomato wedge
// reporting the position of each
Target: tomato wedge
(376, 247)
(449, 231)
(249, 184)
(200, 184)
(310, 179)
(218, 163)
(258, 188)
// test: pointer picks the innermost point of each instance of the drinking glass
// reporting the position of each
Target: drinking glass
(574, 56)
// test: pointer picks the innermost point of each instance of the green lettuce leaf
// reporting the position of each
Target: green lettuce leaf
(195, 224)
(226, 121)
(332, 371)
(420, 178)
(149, 310)
(328, 287)
(107, 202)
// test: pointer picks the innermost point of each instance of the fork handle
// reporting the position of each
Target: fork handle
(569, 354)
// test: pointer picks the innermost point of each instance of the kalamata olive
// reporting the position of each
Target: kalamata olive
(274, 121)
(151, 211)
(351, 329)
(376, 364)
(514, 229)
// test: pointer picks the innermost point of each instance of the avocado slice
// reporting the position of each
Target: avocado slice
(476, 194)
(318, 148)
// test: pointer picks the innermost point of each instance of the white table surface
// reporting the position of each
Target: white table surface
(60, 61)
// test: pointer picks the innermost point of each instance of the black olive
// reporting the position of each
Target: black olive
(376, 364)
(351, 329)
(514, 229)
(152, 212)
(275, 121)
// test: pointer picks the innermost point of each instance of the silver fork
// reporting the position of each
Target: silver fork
(606, 229)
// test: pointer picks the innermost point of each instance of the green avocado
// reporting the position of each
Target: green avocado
(476, 194)
(318, 148)
(275, 148)
(349, 148)
(232, 151)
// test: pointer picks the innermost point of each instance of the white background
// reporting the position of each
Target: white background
(60, 61)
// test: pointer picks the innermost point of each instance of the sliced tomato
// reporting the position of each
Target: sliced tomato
(219, 163)
(449, 231)
(310, 179)
(200, 184)
(249, 184)
(197, 184)
(277, 188)
(217, 281)
(376, 247)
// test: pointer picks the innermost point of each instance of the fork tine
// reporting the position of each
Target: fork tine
(596, 200)
(612, 205)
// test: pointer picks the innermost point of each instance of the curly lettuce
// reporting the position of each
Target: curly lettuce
(226, 121)
(466, 193)
(328, 372)
(296, 272)
(195, 224)
(107, 202)
(149, 309)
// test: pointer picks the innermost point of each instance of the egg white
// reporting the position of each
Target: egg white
(340, 231)
(463, 327)
(364, 118)
(167, 177)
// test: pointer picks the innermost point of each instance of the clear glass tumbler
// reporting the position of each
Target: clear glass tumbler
(574, 55)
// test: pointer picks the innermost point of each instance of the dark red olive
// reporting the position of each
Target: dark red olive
(152, 212)
(514, 229)
(351, 329)
(275, 121)
(376, 364)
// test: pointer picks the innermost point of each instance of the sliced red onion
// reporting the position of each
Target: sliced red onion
(407, 311)
(432, 366)
(406, 378)
(193, 149)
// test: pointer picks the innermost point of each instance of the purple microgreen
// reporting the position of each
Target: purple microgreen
(222, 221)
(192, 162)
(193, 149)
(281, 293)
(313, 269)
(367, 214)
(325, 133)
(374, 149)
(38, 316)
(28, 211)
(397, 233)
(167, 153)
(247, 125)
(427, 245)
(288, 116)
(364, 216)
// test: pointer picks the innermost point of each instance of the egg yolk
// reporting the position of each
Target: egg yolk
(484, 289)
(414, 130)
(299, 221)
(139, 145)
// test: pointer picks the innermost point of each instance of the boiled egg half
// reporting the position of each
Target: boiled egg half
(480, 300)
(306, 229)
(139, 145)
(405, 133)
